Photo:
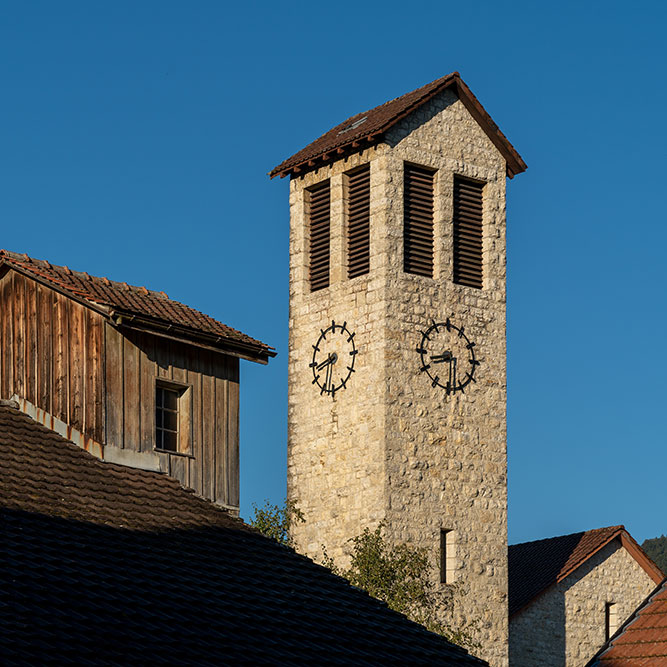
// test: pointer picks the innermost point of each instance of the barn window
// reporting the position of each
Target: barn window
(468, 232)
(172, 417)
(319, 214)
(358, 221)
(418, 220)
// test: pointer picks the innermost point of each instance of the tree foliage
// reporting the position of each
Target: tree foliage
(275, 521)
(656, 549)
(400, 576)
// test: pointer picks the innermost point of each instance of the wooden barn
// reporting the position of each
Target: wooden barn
(128, 374)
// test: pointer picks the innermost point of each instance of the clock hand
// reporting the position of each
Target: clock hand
(329, 360)
(327, 381)
(440, 358)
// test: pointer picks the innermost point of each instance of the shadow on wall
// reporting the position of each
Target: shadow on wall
(538, 632)
(537, 636)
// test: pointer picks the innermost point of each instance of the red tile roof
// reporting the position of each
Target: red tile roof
(367, 128)
(120, 300)
(103, 564)
(535, 566)
(642, 640)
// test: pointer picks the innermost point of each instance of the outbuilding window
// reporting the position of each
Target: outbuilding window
(172, 417)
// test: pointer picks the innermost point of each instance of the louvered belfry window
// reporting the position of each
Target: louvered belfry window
(418, 220)
(319, 207)
(358, 221)
(468, 232)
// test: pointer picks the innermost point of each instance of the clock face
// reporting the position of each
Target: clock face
(447, 356)
(333, 358)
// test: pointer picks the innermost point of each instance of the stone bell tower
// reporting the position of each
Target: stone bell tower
(397, 368)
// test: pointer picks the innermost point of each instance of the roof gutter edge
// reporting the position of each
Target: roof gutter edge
(259, 353)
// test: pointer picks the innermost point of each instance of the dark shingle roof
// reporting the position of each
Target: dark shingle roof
(115, 298)
(642, 640)
(367, 128)
(534, 566)
(104, 564)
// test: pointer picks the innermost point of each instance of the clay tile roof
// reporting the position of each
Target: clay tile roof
(642, 640)
(119, 298)
(368, 127)
(109, 565)
(534, 566)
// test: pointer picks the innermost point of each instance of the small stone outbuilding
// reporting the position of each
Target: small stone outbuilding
(568, 595)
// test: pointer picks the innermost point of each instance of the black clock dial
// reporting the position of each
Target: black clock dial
(447, 356)
(333, 358)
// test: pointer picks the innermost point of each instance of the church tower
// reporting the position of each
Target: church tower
(397, 360)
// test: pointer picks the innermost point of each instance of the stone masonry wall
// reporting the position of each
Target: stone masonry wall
(446, 456)
(565, 626)
(390, 447)
(335, 462)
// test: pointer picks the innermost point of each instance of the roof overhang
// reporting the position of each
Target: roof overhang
(122, 319)
(627, 541)
(361, 141)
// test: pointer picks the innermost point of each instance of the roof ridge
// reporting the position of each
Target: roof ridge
(578, 532)
(152, 309)
(382, 117)
(400, 97)
(24, 258)
(559, 557)
(612, 534)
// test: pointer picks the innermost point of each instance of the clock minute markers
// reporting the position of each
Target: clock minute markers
(453, 348)
(329, 374)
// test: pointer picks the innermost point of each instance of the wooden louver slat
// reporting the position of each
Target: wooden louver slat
(320, 216)
(358, 222)
(468, 232)
(418, 221)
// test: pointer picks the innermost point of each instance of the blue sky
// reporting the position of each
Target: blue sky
(136, 141)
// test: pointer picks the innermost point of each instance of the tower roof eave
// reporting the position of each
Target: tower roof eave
(368, 128)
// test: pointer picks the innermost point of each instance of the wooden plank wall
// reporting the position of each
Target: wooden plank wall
(51, 353)
(69, 361)
(134, 361)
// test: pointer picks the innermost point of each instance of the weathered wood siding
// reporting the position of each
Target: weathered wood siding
(69, 361)
(52, 353)
(134, 361)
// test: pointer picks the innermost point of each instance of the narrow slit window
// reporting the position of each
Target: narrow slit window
(447, 556)
(610, 619)
(418, 220)
(319, 212)
(358, 221)
(468, 232)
